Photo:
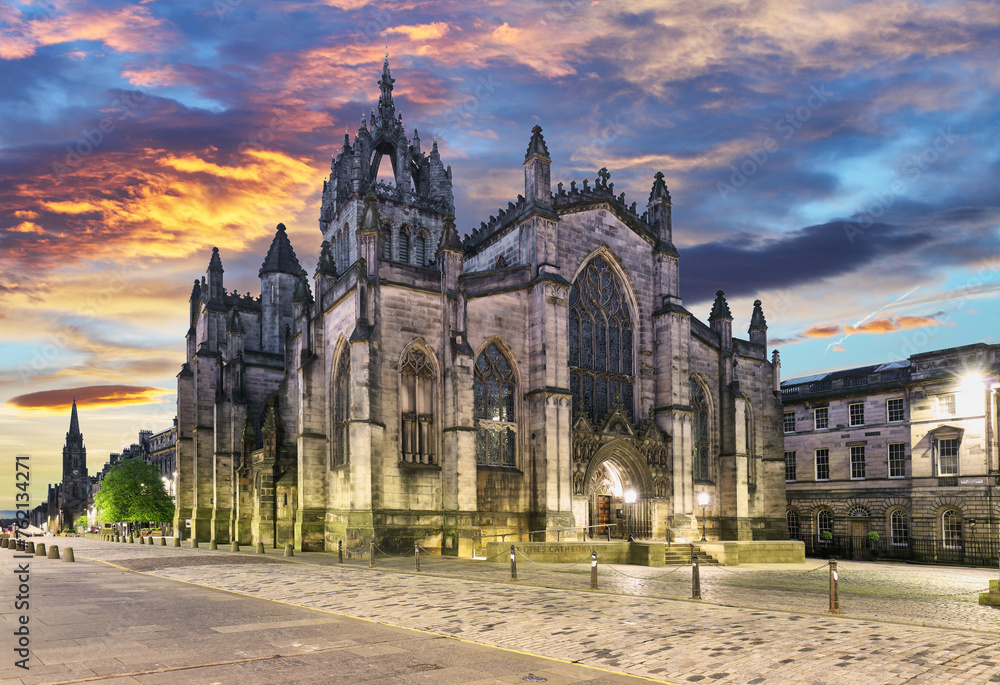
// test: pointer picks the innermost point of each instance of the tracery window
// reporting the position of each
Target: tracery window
(600, 342)
(700, 461)
(342, 408)
(416, 404)
(494, 390)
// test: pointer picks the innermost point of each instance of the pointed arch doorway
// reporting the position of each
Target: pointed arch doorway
(619, 490)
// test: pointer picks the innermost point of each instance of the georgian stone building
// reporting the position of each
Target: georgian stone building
(907, 449)
(541, 374)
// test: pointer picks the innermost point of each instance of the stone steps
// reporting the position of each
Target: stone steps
(679, 554)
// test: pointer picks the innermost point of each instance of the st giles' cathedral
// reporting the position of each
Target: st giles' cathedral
(540, 374)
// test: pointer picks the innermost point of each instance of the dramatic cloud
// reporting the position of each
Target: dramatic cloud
(93, 396)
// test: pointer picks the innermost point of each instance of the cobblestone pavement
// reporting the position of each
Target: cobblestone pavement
(758, 624)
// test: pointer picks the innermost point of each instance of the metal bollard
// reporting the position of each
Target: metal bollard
(371, 554)
(288, 550)
(513, 563)
(340, 551)
(834, 595)
(593, 570)
(416, 557)
(695, 577)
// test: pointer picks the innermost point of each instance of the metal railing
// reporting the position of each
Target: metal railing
(975, 552)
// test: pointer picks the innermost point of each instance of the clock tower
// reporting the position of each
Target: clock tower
(75, 481)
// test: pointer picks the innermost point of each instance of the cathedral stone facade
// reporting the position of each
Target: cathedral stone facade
(540, 375)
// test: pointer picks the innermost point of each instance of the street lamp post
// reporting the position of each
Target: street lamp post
(703, 502)
(630, 500)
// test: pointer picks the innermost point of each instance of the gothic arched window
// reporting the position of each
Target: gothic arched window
(419, 250)
(701, 443)
(404, 245)
(494, 389)
(600, 342)
(342, 408)
(416, 406)
(387, 247)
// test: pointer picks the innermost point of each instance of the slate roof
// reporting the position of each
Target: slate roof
(280, 256)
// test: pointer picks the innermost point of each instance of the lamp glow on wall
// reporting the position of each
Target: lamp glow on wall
(969, 398)
(703, 500)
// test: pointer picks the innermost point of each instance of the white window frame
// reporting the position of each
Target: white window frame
(858, 465)
(939, 445)
(901, 461)
(888, 410)
(790, 463)
(820, 527)
(789, 515)
(784, 421)
(826, 418)
(850, 414)
(894, 538)
(951, 529)
(826, 456)
(947, 404)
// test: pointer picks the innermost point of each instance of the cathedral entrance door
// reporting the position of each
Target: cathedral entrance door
(603, 512)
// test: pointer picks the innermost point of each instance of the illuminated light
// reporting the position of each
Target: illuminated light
(972, 382)
(703, 499)
(630, 497)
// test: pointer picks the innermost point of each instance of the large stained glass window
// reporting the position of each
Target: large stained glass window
(700, 461)
(494, 389)
(342, 407)
(600, 343)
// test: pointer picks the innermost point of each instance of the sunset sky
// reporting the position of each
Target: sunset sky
(837, 160)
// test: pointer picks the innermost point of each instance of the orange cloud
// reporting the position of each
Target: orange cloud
(822, 331)
(838, 348)
(422, 32)
(97, 396)
(892, 323)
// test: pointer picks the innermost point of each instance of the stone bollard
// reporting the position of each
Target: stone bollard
(5, 543)
(40, 549)
(163, 541)
(288, 550)
(235, 546)
(260, 548)
(213, 544)
(695, 577)
(29, 547)
(130, 539)
(53, 552)
(177, 542)
(194, 543)
(68, 554)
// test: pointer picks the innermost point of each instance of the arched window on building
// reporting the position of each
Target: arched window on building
(600, 342)
(494, 391)
(387, 246)
(748, 427)
(701, 442)
(416, 403)
(404, 245)
(420, 250)
(899, 528)
(794, 529)
(951, 528)
(342, 408)
(824, 524)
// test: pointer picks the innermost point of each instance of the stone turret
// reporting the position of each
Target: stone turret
(721, 320)
(537, 170)
(279, 275)
(214, 275)
(758, 326)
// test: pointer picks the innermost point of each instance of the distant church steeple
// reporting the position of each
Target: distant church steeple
(74, 452)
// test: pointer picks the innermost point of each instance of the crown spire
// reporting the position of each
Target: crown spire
(74, 420)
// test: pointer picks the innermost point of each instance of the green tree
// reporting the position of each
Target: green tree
(133, 492)
(81, 522)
